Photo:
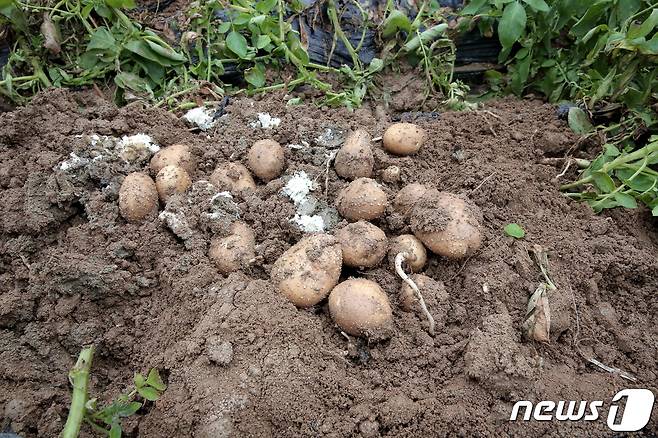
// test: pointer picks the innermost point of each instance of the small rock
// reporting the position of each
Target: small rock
(219, 352)
(369, 429)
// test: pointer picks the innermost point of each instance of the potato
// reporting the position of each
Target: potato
(235, 251)
(354, 159)
(266, 159)
(362, 199)
(364, 244)
(407, 197)
(171, 180)
(306, 273)
(138, 197)
(411, 245)
(232, 177)
(404, 138)
(447, 224)
(361, 308)
(427, 286)
(391, 174)
(178, 155)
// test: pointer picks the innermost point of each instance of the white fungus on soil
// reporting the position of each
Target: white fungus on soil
(298, 189)
(73, 163)
(138, 147)
(265, 121)
(201, 117)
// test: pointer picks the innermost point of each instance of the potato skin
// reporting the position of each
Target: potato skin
(138, 197)
(233, 252)
(362, 199)
(407, 197)
(361, 308)
(177, 154)
(364, 244)
(172, 179)
(411, 245)
(266, 158)
(306, 272)
(232, 177)
(447, 224)
(355, 159)
(404, 138)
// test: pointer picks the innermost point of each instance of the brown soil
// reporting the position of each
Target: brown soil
(238, 358)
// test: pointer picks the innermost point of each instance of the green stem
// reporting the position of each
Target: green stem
(79, 377)
(333, 17)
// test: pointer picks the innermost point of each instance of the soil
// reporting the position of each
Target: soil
(238, 358)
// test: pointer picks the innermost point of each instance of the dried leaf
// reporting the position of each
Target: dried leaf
(537, 323)
(50, 35)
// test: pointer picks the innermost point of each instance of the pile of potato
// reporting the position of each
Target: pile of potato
(309, 272)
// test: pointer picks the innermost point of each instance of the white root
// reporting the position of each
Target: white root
(399, 259)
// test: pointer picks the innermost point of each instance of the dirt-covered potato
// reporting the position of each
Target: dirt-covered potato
(171, 180)
(235, 251)
(427, 286)
(138, 197)
(447, 224)
(306, 273)
(364, 244)
(391, 174)
(407, 197)
(361, 308)
(266, 158)
(178, 155)
(362, 199)
(404, 138)
(354, 159)
(411, 245)
(232, 177)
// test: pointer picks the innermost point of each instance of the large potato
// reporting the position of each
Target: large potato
(235, 251)
(266, 158)
(364, 244)
(232, 177)
(361, 308)
(172, 179)
(447, 224)
(138, 197)
(354, 159)
(306, 273)
(362, 199)
(178, 155)
(417, 254)
(407, 197)
(404, 138)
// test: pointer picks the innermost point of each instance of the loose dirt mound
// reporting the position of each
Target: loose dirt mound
(242, 361)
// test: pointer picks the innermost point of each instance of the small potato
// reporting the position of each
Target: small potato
(266, 159)
(391, 174)
(447, 224)
(361, 308)
(138, 197)
(306, 273)
(362, 199)
(232, 177)
(364, 244)
(171, 180)
(411, 245)
(178, 155)
(428, 287)
(235, 251)
(354, 159)
(407, 197)
(404, 138)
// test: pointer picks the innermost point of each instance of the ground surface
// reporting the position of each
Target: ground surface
(242, 361)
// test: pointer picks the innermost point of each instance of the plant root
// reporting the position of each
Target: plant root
(401, 257)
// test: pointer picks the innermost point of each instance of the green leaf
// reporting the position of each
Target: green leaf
(395, 22)
(237, 44)
(579, 122)
(115, 430)
(425, 37)
(473, 7)
(265, 6)
(512, 24)
(591, 18)
(121, 4)
(654, 212)
(149, 393)
(515, 230)
(139, 380)
(375, 66)
(538, 5)
(166, 52)
(262, 41)
(128, 409)
(102, 39)
(625, 200)
(155, 380)
(224, 27)
(603, 182)
(644, 29)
